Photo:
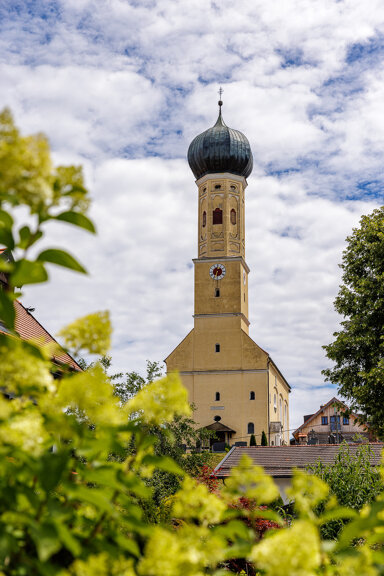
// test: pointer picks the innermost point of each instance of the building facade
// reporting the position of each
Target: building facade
(235, 386)
(330, 425)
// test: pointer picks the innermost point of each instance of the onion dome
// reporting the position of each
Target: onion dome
(220, 149)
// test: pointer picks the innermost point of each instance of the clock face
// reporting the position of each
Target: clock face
(217, 271)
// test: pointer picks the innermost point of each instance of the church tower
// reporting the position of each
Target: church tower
(236, 388)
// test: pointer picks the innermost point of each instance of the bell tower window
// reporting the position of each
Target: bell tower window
(204, 219)
(233, 216)
(217, 216)
(217, 396)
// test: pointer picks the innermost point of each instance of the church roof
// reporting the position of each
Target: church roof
(220, 149)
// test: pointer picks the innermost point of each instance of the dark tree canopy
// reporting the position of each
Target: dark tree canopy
(358, 348)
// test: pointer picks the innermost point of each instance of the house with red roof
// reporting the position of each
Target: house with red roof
(29, 328)
(331, 424)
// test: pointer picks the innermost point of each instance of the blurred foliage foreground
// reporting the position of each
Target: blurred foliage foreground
(75, 460)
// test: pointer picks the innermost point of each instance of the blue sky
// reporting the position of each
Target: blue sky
(122, 88)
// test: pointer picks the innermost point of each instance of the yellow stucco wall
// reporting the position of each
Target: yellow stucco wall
(218, 356)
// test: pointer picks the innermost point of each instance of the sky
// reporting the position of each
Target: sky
(123, 86)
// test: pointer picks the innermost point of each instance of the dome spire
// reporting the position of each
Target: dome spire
(220, 149)
(220, 121)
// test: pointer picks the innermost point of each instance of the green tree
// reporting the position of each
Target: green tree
(264, 440)
(358, 348)
(252, 441)
(352, 479)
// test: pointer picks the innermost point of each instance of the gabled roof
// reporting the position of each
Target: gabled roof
(333, 400)
(278, 461)
(218, 427)
(29, 328)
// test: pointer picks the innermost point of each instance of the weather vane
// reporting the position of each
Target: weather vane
(220, 93)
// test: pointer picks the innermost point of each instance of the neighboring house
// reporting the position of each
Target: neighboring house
(329, 425)
(279, 461)
(28, 328)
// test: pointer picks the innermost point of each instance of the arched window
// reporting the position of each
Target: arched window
(275, 402)
(281, 409)
(233, 216)
(252, 395)
(251, 428)
(217, 396)
(204, 219)
(217, 216)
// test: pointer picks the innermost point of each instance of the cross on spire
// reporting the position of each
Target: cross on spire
(220, 93)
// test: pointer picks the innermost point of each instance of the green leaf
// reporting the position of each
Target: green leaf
(27, 238)
(46, 540)
(99, 498)
(6, 219)
(6, 237)
(52, 467)
(77, 219)
(28, 272)
(66, 537)
(163, 463)
(7, 310)
(61, 258)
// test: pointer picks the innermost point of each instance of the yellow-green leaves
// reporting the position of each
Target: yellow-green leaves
(251, 482)
(160, 401)
(91, 333)
(307, 491)
(24, 371)
(294, 551)
(29, 179)
(194, 502)
(91, 393)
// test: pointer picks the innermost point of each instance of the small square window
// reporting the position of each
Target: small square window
(324, 420)
(217, 347)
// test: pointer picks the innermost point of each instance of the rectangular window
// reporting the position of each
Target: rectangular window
(217, 347)
(217, 293)
(324, 420)
(345, 420)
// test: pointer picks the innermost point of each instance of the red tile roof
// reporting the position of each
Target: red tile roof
(29, 328)
(278, 461)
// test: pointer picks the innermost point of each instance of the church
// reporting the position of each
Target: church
(235, 386)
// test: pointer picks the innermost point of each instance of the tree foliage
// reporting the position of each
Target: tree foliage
(358, 348)
(264, 440)
(352, 479)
